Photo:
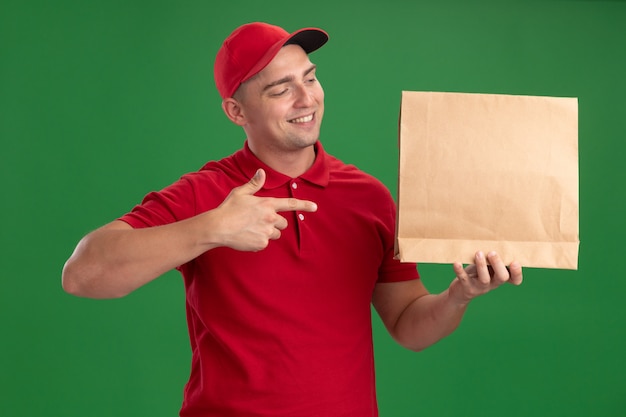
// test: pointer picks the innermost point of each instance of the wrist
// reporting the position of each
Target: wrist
(205, 231)
(456, 296)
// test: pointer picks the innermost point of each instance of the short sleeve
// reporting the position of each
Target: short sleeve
(174, 203)
(391, 269)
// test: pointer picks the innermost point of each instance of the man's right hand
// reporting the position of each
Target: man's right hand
(116, 259)
(248, 222)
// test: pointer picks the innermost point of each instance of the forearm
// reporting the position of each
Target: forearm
(116, 259)
(427, 320)
(417, 319)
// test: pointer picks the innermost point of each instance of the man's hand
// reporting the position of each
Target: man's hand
(248, 222)
(486, 274)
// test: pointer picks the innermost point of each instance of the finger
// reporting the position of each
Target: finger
(459, 271)
(515, 270)
(276, 234)
(293, 204)
(281, 223)
(500, 273)
(255, 183)
(482, 269)
(471, 270)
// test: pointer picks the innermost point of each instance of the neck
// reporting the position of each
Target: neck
(290, 163)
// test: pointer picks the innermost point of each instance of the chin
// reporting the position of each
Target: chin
(302, 141)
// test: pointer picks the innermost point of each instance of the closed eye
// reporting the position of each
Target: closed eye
(278, 93)
(308, 75)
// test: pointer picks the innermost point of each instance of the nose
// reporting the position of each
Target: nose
(304, 96)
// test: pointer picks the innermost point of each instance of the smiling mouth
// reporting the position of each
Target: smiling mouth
(303, 119)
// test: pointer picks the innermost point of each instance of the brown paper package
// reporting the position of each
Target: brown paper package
(488, 172)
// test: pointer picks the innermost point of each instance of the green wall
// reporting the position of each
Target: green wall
(104, 101)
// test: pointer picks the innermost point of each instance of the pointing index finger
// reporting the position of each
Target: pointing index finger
(293, 204)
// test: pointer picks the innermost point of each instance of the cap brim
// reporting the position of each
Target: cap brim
(310, 39)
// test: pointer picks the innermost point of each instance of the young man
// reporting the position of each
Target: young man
(282, 248)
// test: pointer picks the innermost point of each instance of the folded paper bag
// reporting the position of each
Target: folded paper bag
(488, 172)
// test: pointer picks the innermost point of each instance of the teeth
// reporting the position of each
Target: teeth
(303, 119)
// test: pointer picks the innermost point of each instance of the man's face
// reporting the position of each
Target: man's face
(283, 104)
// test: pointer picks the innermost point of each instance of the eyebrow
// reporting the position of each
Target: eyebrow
(288, 78)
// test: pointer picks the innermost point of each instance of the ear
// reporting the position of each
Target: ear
(233, 110)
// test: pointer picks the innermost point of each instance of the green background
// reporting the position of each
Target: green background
(104, 101)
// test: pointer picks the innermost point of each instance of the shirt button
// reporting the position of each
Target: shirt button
(294, 185)
(301, 216)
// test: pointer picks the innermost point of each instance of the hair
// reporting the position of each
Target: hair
(240, 92)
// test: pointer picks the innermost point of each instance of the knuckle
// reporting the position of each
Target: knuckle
(261, 246)
(268, 218)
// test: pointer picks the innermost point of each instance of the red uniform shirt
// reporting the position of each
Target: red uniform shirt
(285, 331)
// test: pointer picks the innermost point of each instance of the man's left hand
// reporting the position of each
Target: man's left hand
(487, 273)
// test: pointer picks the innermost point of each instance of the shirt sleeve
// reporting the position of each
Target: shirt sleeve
(395, 271)
(173, 203)
(391, 269)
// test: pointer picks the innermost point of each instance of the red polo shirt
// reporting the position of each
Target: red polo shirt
(285, 331)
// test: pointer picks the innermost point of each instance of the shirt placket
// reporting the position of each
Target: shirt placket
(295, 191)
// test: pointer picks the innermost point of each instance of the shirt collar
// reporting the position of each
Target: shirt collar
(318, 173)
